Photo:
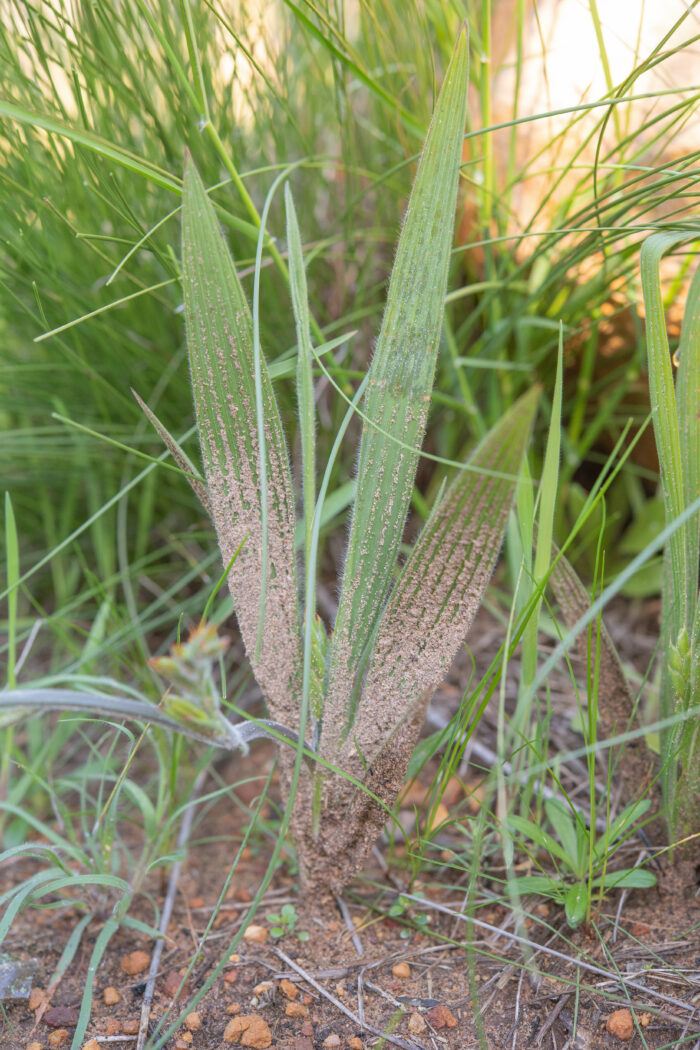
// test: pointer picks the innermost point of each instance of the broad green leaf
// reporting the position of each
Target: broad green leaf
(222, 364)
(629, 816)
(529, 830)
(625, 879)
(441, 586)
(677, 433)
(541, 884)
(576, 904)
(398, 396)
(664, 413)
(688, 400)
(564, 823)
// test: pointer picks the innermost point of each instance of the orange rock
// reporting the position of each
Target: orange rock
(59, 1037)
(248, 1030)
(131, 1027)
(416, 1023)
(296, 1010)
(289, 989)
(256, 934)
(196, 902)
(620, 1024)
(401, 969)
(37, 998)
(91, 1044)
(331, 1042)
(355, 1043)
(34, 1046)
(231, 977)
(135, 962)
(113, 1026)
(233, 1009)
(111, 996)
(193, 1021)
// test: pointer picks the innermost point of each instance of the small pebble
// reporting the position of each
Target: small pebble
(196, 902)
(441, 1017)
(401, 969)
(91, 1044)
(34, 1046)
(331, 1041)
(620, 1024)
(416, 1023)
(248, 1030)
(113, 1026)
(61, 1017)
(288, 989)
(256, 934)
(263, 988)
(184, 1041)
(231, 977)
(355, 1043)
(37, 998)
(135, 962)
(233, 1009)
(234, 958)
(131, 1027)
(111, 996)
(59, 1037)
(296, 1010)
(193, 1021)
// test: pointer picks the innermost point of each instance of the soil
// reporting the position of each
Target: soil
(630, 978)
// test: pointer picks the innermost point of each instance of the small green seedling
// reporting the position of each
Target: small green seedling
(285, 922)
(580, 857)
(402, 909)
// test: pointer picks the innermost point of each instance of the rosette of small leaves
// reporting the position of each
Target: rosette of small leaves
(403, 908)
(579, 856)
(285, 922)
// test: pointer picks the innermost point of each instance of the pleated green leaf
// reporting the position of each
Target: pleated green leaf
(398, 396)
(222, 365)
(440, 587)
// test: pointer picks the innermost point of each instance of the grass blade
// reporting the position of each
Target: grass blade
(398, 395)
(222, 362)
(305, 389)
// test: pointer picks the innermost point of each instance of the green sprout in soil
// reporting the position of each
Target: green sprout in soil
(285, 923)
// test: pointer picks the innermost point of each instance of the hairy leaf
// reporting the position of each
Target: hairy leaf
(616, 705)
(220, 345)
(398, 395)
(441, 585)
(15, 703)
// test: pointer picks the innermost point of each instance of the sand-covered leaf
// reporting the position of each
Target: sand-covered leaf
(222, 364)
(442, 585)
(398, 395)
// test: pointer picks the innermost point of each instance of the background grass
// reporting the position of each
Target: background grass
(97, 108)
